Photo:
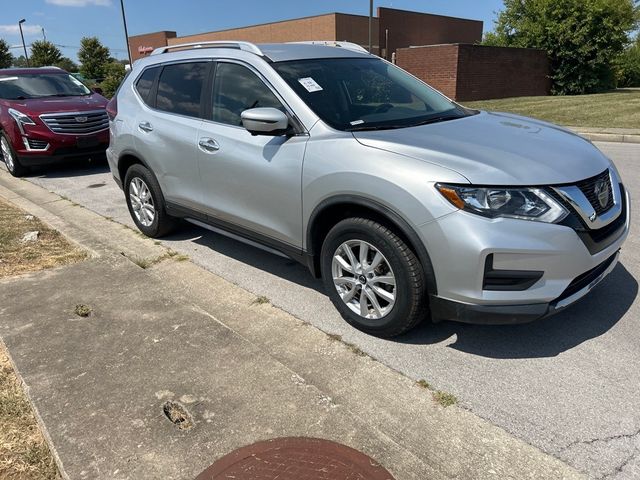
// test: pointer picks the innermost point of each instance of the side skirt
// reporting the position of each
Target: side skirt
(242, 234)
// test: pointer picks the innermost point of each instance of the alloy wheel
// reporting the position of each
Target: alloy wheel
(6, 154)
(364, 279)
(141, 201)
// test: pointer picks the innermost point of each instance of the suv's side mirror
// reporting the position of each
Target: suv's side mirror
(265, 121)
(98, 90)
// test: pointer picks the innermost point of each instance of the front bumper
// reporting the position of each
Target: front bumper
(39, 146)
(442, 309)
(460, 243)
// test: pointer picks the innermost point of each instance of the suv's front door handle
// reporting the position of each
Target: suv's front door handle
(145, 127)
(208, 145)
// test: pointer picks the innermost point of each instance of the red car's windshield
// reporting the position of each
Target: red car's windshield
(25, 86)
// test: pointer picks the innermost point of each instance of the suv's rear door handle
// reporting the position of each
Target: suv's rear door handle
(145, 127)
(208, 145)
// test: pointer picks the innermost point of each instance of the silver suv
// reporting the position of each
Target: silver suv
(408, 205)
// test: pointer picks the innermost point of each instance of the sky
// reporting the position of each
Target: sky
(65, 22)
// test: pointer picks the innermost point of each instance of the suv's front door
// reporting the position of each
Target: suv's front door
(249, 183)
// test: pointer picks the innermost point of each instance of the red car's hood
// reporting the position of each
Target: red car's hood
(37, 106)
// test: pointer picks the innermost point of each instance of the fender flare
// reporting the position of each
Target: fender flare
(392, 216)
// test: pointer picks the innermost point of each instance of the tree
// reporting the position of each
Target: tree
(19, 62)
(93, 57)
(583, 38)
(67, 64)
(628, 66)
(6, 59)
(115, 72)
(44, 54)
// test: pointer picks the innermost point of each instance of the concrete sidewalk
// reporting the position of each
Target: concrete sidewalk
(608, 134)
(244, 371)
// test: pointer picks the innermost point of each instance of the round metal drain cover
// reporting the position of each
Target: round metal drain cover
(295, 459)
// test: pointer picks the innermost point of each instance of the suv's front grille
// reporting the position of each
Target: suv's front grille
(600, 184)
(77, 123)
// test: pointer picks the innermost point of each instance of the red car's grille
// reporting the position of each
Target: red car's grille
(77, 123)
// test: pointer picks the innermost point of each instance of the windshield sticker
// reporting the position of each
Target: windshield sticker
(310, 84)
(357, 122)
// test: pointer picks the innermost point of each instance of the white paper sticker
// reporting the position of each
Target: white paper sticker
(310, 84)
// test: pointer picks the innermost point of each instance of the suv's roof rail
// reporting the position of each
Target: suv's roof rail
(246, 46)
(332, 43)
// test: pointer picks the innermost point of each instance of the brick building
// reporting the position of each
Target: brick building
(446, 58)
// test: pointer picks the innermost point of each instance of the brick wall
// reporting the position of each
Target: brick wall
(414, 28)
(475, 72)
(148, 41)
(322, 27)
(438, 66)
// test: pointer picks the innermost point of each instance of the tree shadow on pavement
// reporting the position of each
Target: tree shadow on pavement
(588, 318)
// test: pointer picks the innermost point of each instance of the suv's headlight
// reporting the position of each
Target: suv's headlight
(20, 118)
(523, 203)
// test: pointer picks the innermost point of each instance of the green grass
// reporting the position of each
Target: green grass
(617, 109)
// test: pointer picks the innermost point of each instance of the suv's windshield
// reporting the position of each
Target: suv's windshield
(36, 85)
(366, 94)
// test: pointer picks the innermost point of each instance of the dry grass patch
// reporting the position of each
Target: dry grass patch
(16, 257)
(24, 454)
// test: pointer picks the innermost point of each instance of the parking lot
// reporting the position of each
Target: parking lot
(567, 384)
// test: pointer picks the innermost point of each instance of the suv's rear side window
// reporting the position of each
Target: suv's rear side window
(180, 88)
(145, 82)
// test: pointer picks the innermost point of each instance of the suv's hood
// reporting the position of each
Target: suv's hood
(37, 106)
(496, 149)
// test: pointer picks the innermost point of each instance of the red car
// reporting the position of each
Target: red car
(46, 116)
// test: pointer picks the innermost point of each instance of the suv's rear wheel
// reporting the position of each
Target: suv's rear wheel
(10, 158)
(373, 277)
(146, 203)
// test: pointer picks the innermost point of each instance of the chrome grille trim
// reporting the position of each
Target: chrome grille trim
(68, 122)
(576, 197)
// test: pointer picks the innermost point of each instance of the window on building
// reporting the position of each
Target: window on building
(180, 88)
(237, 89)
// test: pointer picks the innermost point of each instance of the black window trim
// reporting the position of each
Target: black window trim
(298, 126)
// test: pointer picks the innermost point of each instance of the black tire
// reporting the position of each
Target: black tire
(410, 291)
(162, 223)
(15, 168)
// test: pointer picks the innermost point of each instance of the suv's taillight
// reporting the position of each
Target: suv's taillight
(112, 108)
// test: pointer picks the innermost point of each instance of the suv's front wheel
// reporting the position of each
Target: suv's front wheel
(10, 158)
(146, 203)
(373, 277)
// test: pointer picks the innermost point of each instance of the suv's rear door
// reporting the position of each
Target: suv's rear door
(251, 184)
(168, 128)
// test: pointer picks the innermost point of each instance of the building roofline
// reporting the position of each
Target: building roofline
(276, 22)
(431, 14)
(153, 33)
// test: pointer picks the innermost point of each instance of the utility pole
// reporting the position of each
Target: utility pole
(126, 33)
(370, 26)
(24, 46)
(44, 36)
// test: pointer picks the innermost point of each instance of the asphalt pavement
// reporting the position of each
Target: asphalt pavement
(567, 385)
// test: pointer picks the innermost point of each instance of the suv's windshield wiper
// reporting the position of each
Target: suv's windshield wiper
(441, 118)
(364, 128)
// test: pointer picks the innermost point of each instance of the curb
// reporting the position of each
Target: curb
(610, 137)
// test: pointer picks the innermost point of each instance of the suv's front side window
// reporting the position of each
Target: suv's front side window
(236, 89)
(180, 88)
